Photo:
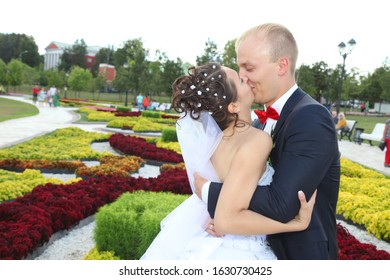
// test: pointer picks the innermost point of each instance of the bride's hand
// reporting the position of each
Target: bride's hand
(305, 212)
(211, 230)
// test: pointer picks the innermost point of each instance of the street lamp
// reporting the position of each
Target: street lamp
(344, 52)
(125, 65)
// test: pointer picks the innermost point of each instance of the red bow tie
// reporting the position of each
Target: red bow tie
(264, 115)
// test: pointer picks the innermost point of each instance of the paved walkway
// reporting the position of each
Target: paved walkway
(49, 119)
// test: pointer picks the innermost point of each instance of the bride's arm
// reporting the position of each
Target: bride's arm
(232, 215)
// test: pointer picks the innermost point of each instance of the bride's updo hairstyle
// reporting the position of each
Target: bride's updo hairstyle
(205, 88)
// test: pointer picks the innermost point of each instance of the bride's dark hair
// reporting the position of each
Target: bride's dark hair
(205, 88)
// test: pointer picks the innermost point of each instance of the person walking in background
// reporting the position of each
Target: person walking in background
(42, 97)
(35, 92)
(145, 103)
(139, 100)
(362, 107)
(56, 99)
(386, 139)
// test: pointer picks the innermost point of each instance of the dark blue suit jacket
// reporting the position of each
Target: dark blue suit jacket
(305, 157)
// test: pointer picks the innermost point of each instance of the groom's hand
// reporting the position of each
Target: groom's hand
(199, 181)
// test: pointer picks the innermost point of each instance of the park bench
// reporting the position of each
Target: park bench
(375, 135)
(347, 132)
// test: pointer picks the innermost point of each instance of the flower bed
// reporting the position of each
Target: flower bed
(58, 207)
(138, 146)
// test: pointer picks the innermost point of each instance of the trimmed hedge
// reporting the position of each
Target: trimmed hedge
(129, 225)
(169, 135)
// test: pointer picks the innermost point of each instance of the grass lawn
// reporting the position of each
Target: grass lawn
(11, 109)
(367, 122)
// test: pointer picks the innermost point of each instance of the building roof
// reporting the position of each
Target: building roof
(92, 50)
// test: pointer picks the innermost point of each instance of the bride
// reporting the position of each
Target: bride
(218, 142)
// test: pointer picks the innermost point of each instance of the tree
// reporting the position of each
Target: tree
(79, 79)
(210, 53)
(3, 73)
(74, 56)
(79, 51)
(105, 55)
(306, 79)
(229, 56)
(15, 73)
(19, 46)
(136, 62)
(320, 73)
(66, 61)
(172, 70)
(55, 78)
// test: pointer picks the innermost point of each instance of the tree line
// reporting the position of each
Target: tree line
(138, 71)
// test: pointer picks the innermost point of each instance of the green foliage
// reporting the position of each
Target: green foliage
(79, 79)
(151, 114)
(15, 74)
(123, 109)
(94, 254)
(65, 144)
(210, 53)
(21, 47)
(129, 225)
(229, 57)
(169, 135)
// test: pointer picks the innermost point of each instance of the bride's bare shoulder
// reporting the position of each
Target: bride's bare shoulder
(258, 137)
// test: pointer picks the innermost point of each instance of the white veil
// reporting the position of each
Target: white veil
(198, 140)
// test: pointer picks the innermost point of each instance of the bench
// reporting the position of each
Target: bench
(349, 130)
(375, 135)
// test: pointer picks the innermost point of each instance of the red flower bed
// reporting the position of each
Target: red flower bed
(128, 114)
(29, 221)
(138, 146)
(351, 249)
(169, 117)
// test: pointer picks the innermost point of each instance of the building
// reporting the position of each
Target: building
(108, 72)
(55, 50)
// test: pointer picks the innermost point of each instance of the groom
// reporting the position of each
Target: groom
(305, 155)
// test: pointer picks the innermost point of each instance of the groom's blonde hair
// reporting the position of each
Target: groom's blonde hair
(280, 40)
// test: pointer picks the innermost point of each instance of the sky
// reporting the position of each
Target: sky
(180, 28)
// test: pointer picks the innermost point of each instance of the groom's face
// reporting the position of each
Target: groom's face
(255, 65)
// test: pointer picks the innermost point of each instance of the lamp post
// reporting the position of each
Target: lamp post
(344, 52)
(125, 65)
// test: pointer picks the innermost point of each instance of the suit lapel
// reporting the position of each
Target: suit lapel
(287, 108)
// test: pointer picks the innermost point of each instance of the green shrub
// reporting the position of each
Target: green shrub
(129, 225)
(123, 109)
(151, 114)
(169, 135)
(94, 254)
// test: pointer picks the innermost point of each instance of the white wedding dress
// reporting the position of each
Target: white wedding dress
(182, 235)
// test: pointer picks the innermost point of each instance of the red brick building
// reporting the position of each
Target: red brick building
(108, 72)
